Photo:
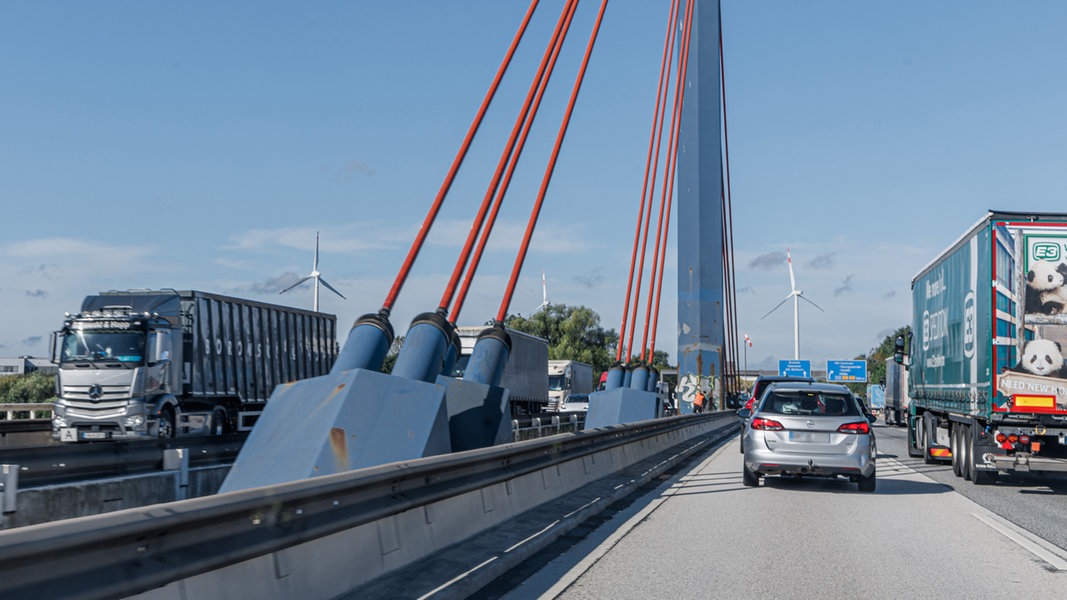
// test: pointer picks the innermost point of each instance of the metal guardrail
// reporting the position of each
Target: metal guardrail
(45, 465)
(546, 425)
(14, 419)
(14, 412)
(136, 550)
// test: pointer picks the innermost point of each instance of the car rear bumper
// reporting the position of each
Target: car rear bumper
(766, 462)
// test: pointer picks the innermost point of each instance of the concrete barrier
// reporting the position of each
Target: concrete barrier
(56, 502)
(396, 530)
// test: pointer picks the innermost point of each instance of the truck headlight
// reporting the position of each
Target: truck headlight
(59, 421)
(136, 422)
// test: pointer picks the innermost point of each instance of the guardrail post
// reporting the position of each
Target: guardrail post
(9, 483)
(177, 459)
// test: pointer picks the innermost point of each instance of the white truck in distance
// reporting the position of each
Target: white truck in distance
(896, 393)
(567, 378)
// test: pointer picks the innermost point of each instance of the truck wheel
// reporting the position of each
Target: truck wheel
(748, 478)
(218, 425)
(867, 484)
(966, 451)
(929, 437)
(166, 424)
(954, 445)
(914, 443)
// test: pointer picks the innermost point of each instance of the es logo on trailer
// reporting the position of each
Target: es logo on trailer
(1046, 251)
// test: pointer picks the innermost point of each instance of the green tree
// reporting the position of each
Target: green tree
(660, 359)
(32, 388)
(876, 358)
(390, 356)
(573, 333)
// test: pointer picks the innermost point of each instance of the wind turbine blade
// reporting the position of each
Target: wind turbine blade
(330, 287)
(801, 296)
(792, 279)
(315, 265)
(778, 306)
(294, 285)
(544, 290)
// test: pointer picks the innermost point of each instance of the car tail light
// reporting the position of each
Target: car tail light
(766, 424)
(857, 427)
(750, 402)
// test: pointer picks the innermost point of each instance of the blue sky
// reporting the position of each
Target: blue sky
(201, 145)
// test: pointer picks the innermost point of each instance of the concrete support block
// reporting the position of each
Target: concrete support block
(620, 405)
(479, 415)
(340, 422)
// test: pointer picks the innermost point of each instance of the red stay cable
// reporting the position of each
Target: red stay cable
(647, 223)
(524, 116)
(472, 269)
(654, 138)
(672, 160)
(517, 269)
(424, 230)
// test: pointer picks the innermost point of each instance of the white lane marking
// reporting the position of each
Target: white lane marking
(1043, 549)
(1052, 554)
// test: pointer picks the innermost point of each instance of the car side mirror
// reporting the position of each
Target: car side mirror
(871, 417)
(744, 413)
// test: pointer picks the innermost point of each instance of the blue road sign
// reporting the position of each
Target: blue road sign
(846, 371)
(794, 368)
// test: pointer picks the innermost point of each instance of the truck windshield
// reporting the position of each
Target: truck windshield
(124, 346)
(555, 382)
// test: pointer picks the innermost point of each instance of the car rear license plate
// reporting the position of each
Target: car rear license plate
(809, 437)
(95, 435)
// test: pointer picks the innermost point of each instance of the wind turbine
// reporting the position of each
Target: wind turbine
(316, 276)
(797, 296)
(544, 294)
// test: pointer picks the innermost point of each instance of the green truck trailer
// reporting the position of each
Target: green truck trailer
(986, 373)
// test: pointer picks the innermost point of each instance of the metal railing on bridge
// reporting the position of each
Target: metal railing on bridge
(545, 425)
(23, 412)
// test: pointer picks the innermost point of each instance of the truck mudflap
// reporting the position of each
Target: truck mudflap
(1025, 463)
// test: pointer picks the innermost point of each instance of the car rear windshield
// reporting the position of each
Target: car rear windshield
(810, 403)
(761, 384)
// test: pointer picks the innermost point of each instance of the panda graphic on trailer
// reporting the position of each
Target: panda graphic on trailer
(1046, 288)
(1042, 357)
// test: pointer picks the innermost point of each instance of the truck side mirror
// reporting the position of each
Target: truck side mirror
(160, 346)
(55, 347)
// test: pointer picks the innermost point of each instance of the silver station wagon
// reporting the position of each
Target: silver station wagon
(811, 430)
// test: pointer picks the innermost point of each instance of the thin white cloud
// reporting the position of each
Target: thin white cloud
(823, 261)
(845, 287)
(52, 248)
(768, 261)
(346, 239)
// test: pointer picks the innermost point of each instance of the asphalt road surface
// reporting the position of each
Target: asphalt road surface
(923, 534)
